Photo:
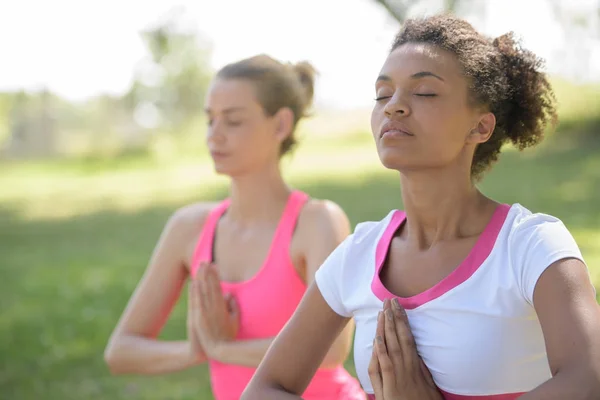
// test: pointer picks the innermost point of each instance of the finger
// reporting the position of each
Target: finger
(380, 327)
(387, 304)
(391, 341)
(410, 356)
(201, 310)
(388, 376)
(201, 271)
(375, 374)
(426, 373)
(190, 308)
(203, 287)
(213, 286)
(195, 302)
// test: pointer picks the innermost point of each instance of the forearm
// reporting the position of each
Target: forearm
(138, 355)
(247, 353)
(568, 384)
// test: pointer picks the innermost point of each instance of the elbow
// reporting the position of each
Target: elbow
(112, 359)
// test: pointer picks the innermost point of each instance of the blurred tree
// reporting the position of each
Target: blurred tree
(169, 88)
(6, 100)
(399, 9)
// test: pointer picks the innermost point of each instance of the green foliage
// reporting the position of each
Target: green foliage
(177, 77)
(75, 237)
(579, 108)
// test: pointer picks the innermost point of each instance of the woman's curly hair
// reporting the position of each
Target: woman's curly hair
(503, 76)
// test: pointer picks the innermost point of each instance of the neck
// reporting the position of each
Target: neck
(439, 206)
(257, 195)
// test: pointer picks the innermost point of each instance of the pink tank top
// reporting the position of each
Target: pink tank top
(266, 302)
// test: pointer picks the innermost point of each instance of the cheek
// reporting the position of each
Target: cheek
(444, 122)
(256, 142)
(376, 119)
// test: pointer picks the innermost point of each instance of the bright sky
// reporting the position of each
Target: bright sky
(81, 48)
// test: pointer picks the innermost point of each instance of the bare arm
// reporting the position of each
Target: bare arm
(247, 353)
(133, 347)
(322, 226)
(329, 226)
(315, 336)
(298, 351)
(570, 318)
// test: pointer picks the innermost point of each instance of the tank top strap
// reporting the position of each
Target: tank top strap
(204, 246)
(289, 219)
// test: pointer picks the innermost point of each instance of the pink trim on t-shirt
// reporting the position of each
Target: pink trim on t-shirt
(505, 396)
(450, 396)
(482, 249)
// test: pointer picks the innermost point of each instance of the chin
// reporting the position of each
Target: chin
(393, 160)
(229, 171)
(222, 169)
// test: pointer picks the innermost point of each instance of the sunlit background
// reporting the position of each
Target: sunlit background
(102, 138)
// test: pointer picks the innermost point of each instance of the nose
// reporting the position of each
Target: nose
(214, 133)
(397, 106)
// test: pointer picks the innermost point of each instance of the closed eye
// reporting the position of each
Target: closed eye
(426, 94)
(382, 98)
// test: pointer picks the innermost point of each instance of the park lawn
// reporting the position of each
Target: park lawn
(75, 238)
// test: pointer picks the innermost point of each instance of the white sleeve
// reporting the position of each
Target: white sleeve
(329, 278)
(539, 241)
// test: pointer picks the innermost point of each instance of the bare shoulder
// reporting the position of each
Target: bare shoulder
(187, 220)
(191, 217)
(322, 218)
(184, 226)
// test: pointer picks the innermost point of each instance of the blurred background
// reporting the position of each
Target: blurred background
(102, 138)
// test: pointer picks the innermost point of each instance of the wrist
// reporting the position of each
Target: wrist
(194, 355)
(219, 351)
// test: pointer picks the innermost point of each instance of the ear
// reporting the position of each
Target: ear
(284, 122)
(482, 132)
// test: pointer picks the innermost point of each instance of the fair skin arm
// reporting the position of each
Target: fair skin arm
(322, 226)
(570, 318)
(133, 346)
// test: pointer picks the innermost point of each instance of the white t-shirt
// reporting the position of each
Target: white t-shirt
(476, 330)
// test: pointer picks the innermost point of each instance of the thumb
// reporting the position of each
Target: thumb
(232, 305)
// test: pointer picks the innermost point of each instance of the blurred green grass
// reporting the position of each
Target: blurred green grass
(75, 236)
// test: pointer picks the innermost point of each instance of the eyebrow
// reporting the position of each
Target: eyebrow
(424, 74)
(418, 75)
(227, 110)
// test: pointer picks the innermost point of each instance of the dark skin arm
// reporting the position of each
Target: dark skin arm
(566, 306)
(289, 366)
(570, 319)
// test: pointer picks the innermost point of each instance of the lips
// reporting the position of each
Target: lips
(395, 127)
(217, 154)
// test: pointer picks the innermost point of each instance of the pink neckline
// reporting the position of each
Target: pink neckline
(273, 246)
(482, 249)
